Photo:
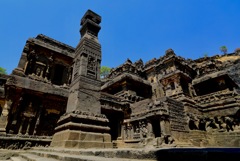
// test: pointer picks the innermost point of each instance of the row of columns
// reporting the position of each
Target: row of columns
(20, 130)
(29, 123)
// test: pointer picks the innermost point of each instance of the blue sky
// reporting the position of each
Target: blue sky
(131, 29)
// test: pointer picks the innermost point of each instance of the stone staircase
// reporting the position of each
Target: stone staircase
(163, 154)
(46, 154)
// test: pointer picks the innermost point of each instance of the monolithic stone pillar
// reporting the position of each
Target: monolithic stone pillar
(83, 125)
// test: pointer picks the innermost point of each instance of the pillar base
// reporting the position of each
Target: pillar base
(80, 139)
(80, 129)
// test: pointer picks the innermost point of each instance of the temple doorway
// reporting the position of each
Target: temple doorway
(58, 74)
(115, 119)
(156, 127)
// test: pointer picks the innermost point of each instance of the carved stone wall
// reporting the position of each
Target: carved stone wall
(177, 115)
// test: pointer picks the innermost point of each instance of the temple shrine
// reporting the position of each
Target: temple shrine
(55, 97)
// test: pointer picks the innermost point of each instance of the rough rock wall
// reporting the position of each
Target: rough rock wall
(234, 72)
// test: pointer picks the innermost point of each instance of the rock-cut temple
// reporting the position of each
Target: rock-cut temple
(56, 97)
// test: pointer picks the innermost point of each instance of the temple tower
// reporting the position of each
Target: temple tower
(83, 126)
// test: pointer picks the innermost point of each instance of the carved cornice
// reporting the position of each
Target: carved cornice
(123, 77)
(51, 44)
(128, 67)
(29, 84)
(55, 43)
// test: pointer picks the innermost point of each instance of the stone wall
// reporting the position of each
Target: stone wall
(215, 139)
(177, 115)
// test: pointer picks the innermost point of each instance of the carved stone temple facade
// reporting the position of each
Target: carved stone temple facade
(56, 97)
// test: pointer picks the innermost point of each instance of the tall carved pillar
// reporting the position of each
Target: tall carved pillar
(83, 125)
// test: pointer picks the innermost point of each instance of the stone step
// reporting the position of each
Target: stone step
(33, 157)
(184, 144)
(6, 154)
(73, 157)
(17, 159)
(130, 153)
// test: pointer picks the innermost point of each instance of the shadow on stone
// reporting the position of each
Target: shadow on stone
(203, 154)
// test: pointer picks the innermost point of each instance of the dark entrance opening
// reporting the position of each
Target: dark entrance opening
(115, 118)
(156, 127)
(184, 85)
(114, 127)
(58, 74)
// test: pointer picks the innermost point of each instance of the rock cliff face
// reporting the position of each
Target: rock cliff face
(234, 72)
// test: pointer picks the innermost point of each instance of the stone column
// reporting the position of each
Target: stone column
(131, 132)
(37, 122)
(4, 117)
(150, 129)
(20, 128)
(162, 127)
(165, 127)
(125, 129)
(122, 133)
(28, 126)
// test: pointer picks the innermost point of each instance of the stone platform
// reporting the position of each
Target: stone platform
(80, 129)
(81, 139)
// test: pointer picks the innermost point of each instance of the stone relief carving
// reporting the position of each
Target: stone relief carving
(210, 124)
(91, 63)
